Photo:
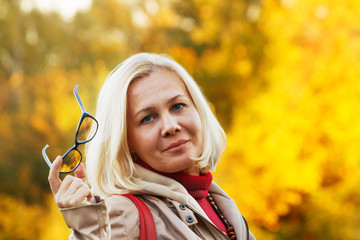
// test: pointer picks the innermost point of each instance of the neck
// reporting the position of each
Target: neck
(194, 170)
(196, 184)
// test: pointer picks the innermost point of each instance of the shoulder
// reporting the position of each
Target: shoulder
(124, 217)
(119, 204)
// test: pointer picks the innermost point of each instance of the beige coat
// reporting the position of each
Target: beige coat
(118, 218)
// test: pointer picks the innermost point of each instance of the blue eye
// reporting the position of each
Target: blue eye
(178, 106)
(147, 119)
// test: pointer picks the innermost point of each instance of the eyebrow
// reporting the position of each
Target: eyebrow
(169, 101)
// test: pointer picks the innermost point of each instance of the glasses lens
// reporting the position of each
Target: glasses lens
(84, 129)
(70, 161)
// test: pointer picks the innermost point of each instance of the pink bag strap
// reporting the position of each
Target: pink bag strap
(147, 225)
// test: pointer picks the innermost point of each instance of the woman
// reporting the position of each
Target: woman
(157, 139)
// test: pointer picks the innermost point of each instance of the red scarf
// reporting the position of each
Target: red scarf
(197, 187)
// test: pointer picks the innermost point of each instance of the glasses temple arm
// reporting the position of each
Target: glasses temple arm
(45, 155)
(78, 98)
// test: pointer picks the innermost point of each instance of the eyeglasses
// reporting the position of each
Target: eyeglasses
(72, 158)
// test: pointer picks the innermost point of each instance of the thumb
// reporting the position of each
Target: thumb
(53, 178)
(80, 172)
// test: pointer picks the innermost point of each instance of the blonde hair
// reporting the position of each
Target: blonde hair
(109, 165)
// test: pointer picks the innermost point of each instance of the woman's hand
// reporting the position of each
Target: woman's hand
(72, 191)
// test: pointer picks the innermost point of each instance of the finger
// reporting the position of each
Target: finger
(70, 185)
(65, 197)
(75, 195)
(84, 192)
(84, 201)
(80, 172)
(53, 178)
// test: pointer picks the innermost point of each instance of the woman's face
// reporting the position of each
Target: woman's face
(164, 127)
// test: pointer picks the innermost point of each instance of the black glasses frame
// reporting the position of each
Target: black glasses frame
(77, 143)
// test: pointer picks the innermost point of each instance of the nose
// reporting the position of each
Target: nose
(170, 126)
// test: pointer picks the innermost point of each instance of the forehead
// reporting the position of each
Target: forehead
(161, 83)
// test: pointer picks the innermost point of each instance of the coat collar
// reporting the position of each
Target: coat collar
(158, 185)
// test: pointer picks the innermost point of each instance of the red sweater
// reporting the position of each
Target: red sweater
(198, 188)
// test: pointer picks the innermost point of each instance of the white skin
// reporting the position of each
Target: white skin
(164, 130)
(164, 127)
(72, 191)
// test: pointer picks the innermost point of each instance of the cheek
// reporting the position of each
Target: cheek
(196, 125)
(197, 120)
(144, 142)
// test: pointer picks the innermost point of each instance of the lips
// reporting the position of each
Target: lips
(175, 146)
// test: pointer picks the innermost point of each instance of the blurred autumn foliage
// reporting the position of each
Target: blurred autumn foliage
(282, 76)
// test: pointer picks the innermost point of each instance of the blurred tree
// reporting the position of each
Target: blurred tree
(217, 41)
(281, 75)
(294, 147)
(44, 57)
(20, 221)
